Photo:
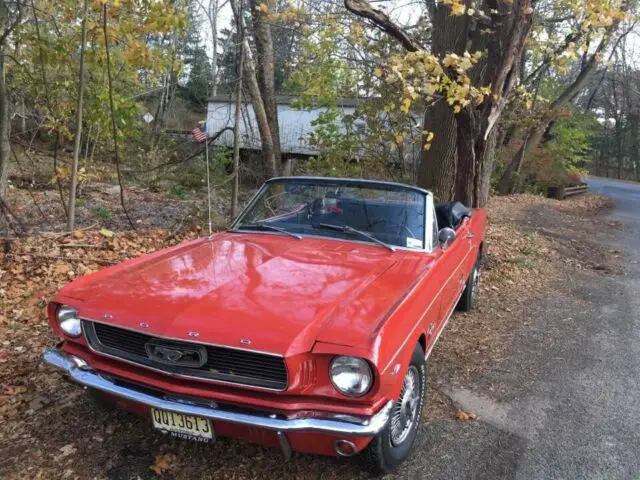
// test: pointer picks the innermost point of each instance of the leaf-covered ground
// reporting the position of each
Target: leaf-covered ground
(50, 429)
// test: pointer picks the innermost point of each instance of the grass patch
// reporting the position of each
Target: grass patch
(523, 262)
(179, 191)
(103, 213)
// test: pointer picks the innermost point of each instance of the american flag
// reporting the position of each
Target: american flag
(199, 134)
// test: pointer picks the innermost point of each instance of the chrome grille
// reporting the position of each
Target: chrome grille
(223, 364)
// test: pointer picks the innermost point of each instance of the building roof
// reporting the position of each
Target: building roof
(288, 100)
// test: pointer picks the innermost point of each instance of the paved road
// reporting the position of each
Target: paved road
(566, 403)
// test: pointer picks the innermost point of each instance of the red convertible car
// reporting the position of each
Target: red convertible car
(305, 326)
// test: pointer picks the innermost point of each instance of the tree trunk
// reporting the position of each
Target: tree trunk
(460, 161)
(236, 132)
(213, 22)
(485, 169)
(466, 136)
(211, 11)
(78, 135)
(475, 127)
(634, 140)
(265, 71)
(112, 111)
(5, 127)
(438, 169)
(23, 115)
(9, 20)
(619, 150)
(511, 176)
(266, 136)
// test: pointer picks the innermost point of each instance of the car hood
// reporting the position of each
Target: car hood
(259, 291)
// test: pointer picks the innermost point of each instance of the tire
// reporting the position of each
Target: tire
(393, 445)
(468, 299)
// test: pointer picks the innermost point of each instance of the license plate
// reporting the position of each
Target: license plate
(184, 426)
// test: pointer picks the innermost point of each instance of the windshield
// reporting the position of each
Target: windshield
(392, 214)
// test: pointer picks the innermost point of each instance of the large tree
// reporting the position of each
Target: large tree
(260, 86)
(459, 164)
(265, 68)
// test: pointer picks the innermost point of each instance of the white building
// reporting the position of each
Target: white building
(295, 125)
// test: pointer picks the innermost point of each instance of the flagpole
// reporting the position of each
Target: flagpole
(206, 153)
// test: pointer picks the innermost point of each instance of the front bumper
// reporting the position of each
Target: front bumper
(80, 372)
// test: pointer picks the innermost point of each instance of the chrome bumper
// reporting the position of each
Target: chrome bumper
(80, 372)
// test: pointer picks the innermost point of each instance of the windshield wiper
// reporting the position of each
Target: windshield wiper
(267, 226)
(355, 231)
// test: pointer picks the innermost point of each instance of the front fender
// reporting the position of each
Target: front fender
(393, 377)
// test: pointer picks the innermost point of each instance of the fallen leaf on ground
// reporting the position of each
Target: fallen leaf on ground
(38, 402)
(164, 463)
(61, 268)
(106, 233)
(466, 416)
(14, 389)
(67, 450)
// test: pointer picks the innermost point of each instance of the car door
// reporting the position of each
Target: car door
(453, 260)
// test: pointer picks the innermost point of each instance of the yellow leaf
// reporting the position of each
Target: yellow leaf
(406, 105)
(378, 72)
(399, 138)
(107, 233)
(450, 60)
(457, 9)
(264, 8)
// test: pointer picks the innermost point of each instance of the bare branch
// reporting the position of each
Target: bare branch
(113, 115)
(381, 20)
(12, 24)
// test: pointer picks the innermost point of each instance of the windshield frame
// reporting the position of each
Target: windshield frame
(429, 217)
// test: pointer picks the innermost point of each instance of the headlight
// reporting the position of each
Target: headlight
(69, 321)
(351, 376)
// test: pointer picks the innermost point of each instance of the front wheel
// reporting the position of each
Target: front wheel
(393, 444)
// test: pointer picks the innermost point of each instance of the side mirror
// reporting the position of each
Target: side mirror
(446, 236)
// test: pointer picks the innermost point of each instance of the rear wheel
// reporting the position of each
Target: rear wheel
(469, 296)
(393, 444)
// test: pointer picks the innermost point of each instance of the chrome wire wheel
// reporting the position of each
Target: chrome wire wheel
(405, 409)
